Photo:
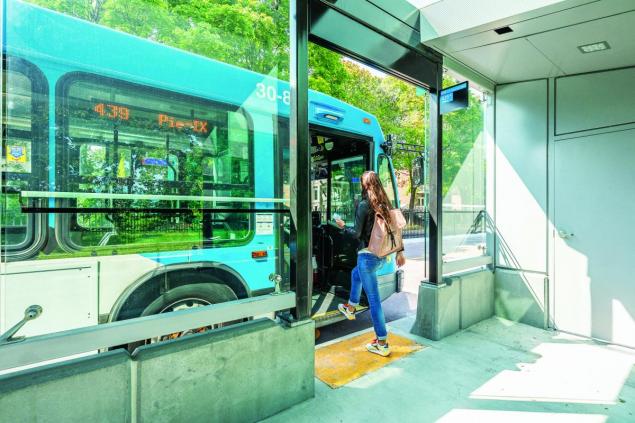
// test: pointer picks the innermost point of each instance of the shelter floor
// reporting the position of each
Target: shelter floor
(496, 370)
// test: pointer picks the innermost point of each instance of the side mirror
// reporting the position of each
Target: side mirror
(387, 145)
(419, 170)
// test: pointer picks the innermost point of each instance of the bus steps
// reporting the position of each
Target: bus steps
(325, 310)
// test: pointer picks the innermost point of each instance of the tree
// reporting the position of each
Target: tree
(254, 34)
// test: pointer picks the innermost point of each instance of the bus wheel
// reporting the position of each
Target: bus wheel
(183, 298)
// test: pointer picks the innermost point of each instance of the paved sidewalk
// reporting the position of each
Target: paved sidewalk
(494, 371)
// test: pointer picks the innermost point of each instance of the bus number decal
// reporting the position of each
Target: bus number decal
(269, 92)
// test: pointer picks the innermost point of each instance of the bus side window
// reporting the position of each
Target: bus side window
(130, 140)
(23, 155)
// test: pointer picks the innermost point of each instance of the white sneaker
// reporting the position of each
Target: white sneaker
(376, 348)
(343, 308)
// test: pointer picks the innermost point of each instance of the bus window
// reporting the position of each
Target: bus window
(346, 188)
(124, 138)
(385, 176)
(24, 128)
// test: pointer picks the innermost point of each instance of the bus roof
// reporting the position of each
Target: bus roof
(51, 39)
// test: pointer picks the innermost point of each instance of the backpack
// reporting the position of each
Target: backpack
(387, 239)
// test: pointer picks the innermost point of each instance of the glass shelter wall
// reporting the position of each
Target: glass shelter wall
(145, 158)
(464, 177)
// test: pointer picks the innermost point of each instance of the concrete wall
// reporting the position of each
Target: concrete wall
(87, 389)
(460, 302)
(237, 374)
(233, 376)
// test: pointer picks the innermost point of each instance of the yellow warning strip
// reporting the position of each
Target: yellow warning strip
(342, 362)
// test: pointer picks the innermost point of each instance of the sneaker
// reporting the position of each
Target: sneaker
(343, 308)
(376, 348)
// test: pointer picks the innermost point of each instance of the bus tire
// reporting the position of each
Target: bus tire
(201, 293)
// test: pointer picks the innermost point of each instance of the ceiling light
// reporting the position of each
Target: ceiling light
(420, 4)
(592, 48)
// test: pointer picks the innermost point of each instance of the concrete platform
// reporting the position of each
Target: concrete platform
(496, 370)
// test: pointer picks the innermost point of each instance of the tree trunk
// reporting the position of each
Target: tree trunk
(95, 10)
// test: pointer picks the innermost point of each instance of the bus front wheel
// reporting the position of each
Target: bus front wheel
(183, 298)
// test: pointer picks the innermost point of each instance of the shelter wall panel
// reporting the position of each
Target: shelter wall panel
(521, 175)
(595, 100)
(519, 296)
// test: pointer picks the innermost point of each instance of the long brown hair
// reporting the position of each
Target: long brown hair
(373, 190)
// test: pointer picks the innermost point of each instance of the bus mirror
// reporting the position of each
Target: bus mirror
(419, 171)
(387, 145)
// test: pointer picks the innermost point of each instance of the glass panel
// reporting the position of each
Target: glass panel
(128, 139)
(23, 153)
(346, 187)
(385, 175)
(16, 156)
(164, 182)
(464, 178)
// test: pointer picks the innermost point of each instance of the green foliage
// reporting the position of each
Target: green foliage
(254, 34)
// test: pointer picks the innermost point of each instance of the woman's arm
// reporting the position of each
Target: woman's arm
(360, 219)
(401, 259)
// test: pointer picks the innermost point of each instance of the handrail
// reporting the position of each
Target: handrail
(156, 197)
(56, 345)
(461, 265)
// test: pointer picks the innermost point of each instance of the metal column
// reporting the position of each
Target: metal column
(435, 152)
(301, 255)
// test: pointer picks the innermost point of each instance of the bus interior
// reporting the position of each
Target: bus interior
(337, 163)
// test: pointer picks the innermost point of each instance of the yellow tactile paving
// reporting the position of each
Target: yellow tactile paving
(342, 362)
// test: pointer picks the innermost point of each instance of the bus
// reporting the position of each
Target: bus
(140, 179)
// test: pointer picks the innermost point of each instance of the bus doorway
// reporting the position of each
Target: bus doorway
(337, 163)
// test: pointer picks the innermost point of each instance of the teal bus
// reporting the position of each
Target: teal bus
(140, 179)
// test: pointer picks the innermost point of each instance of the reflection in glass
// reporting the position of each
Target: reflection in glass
(464, 179)
(145, 158)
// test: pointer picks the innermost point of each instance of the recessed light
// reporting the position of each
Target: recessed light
(503, 30)
(592, 48)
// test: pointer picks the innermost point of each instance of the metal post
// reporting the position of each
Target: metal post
(436, 177)
(300, 158)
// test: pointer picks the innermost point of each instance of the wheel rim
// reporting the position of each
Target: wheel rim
(183, 304)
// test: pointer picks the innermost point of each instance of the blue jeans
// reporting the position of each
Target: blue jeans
(364, 276)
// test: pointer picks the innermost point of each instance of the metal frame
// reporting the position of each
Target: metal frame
(92, 338)
(301, 258)
(158, 197)
(435, 162)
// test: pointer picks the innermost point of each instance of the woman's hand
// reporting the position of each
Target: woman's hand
(340, 223)
(401, 259)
